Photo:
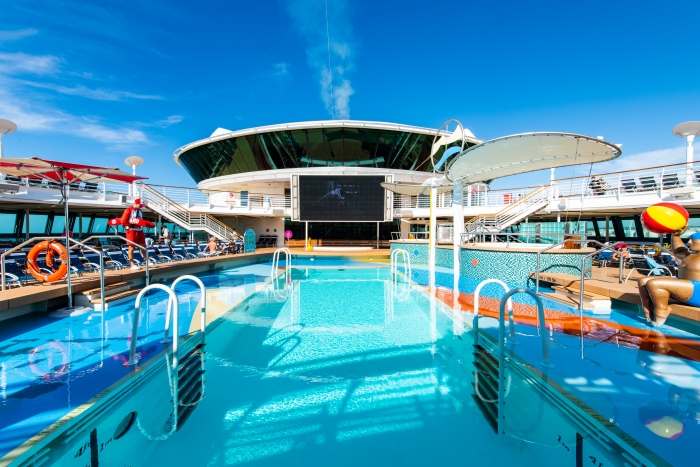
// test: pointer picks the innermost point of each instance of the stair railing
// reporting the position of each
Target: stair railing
(477, 291)
(502, 346)
(202, 313)
(172, 301)
(394, 258)
(276, 262)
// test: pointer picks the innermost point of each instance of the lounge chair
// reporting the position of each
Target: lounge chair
(648, 183)
(629, 185)
(670, 181)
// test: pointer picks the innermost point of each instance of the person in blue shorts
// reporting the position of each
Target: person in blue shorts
(655, 292)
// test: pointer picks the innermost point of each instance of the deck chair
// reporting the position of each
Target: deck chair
(178, 252)
(604, 258)
(190, 251)
(138, 255)
(670, 181)
(649, 267)
(156, 256)
(165, 252)
(15, 272)
(114, 258)
(648, 183)
(93, 259)
(629, 185)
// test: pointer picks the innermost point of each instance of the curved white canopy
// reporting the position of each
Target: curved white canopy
(528, 152)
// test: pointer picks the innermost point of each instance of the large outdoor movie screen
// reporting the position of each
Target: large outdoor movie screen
(343, 198)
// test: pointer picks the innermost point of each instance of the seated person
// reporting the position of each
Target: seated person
(623, 253)
(212, 248)
(655, 292)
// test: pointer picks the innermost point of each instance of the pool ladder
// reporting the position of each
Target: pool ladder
(491, 381)
(281, 294)
(406, 261)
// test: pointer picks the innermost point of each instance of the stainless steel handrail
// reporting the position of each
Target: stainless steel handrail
(583, 240)
(172, 301)
(502, 346)
(19, 247)
(129, 242)
(606, 247)
(102, 269)
(203, 312)
(476, 309)
(276, 262)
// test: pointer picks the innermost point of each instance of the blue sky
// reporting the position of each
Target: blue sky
(96, 82)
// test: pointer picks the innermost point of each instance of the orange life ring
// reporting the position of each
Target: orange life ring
(52, 248)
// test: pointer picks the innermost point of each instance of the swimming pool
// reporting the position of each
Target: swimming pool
(342, 366)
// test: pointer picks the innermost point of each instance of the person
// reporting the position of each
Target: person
(655, 292)
(134, 232)
(149, 241)
(623, 253)
(212, 247)
(165, 236)
(593, 185)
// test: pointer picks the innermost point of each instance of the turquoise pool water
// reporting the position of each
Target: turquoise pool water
(340, 367)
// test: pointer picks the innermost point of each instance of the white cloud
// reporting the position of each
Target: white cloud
(21, 63)
(96, 94)
(7, 36)
(309, 18)
(165, 123)
(33, 116)
(281, 69)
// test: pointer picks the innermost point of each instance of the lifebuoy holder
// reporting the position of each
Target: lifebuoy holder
(52, 248)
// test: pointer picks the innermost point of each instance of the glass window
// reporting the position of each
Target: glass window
(603, 228)
(7, 222)
(244, 198)
(693, 226)
(629, 228)
(37, 224)
(58, 225)
(352, 140)
(99, 225)
(334, 136)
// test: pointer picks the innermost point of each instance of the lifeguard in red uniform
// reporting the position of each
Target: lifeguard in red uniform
(134, 232)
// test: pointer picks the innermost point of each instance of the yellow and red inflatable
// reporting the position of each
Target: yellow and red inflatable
(52, 249)
(664, 218)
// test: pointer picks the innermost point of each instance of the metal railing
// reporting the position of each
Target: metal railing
(502, 346)
(476, 309)
(173, 305)
(174, 211)
(276, 262)
(393, 262)
(410, 235)
(68, 274)
(128, 242)
(202, 313)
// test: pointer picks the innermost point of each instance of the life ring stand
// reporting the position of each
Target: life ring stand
(58, 372)
(52, 248)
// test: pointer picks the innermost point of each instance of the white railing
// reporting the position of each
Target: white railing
(511, 214)
(184, 218)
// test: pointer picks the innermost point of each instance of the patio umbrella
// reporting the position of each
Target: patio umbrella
(65, 173)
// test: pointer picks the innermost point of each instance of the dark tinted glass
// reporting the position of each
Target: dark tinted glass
(310, 148)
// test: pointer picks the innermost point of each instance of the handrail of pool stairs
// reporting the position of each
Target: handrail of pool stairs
(276, 261)
(583, 241)
(172, 300)
(406, 263)
(502, 345)
(476, 309)
(203, 312)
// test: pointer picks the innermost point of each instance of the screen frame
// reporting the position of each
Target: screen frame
(296, 205)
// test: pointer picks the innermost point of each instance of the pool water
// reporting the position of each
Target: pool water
(341, 367)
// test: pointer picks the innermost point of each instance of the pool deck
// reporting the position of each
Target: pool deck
(605, 281)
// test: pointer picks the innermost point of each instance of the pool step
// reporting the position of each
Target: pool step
(114, 293)
(486, 385)
(190, 380)
(596, 303)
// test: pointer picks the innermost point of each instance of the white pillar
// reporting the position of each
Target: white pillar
(457, 230)
(689, 160)
(432, 240)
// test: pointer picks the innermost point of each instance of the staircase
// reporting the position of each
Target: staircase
(511, 214)
(184, 218)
